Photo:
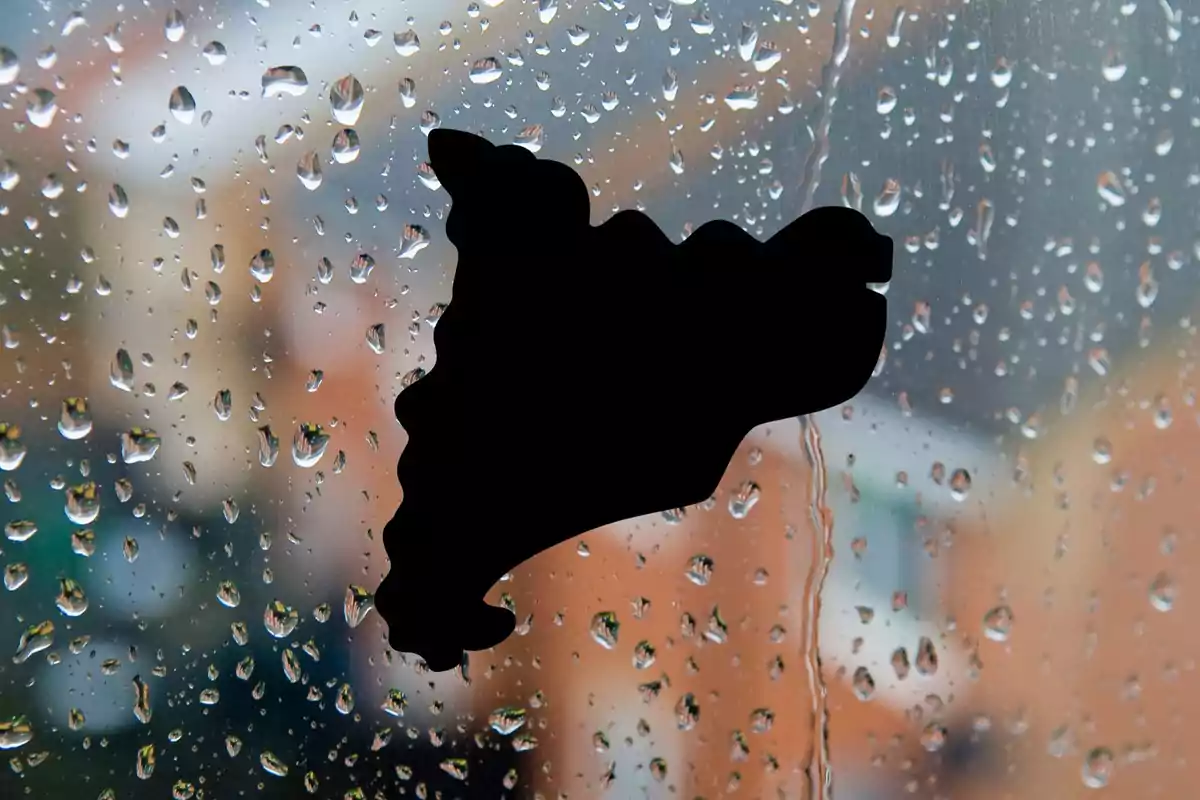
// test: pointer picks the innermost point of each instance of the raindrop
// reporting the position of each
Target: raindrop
(357, 603)
(1098, 767)
(345, 146)
(215, 53)
(485, 70)
(605, 629)
(41, 108)
(284, 80)
(308, 170)
(406, 43)
(182, 105)
(280, 619)
(75, 421)
(10, 66)
(262, 265)
(175, 26)
(346, 99)
(308, 445)
(997, 623)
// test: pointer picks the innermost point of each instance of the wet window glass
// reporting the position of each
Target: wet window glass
(223, 255)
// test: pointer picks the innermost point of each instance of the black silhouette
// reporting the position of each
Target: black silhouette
(585, 375)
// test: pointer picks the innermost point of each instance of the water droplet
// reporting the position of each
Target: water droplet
(413, 240)
(743, 499)
(10, 66)
(644, 655)
(141, 700)
(1098, 768)
(268, 446)
(687, 712)
(280, 619)
(308, 445)
(1113, 66)
(361, 268)
(1163, 592)
(1110, 189)
(34, 640)
(15, 732)
(175, 26)
(284, 80)
(139, 445)
(531, 137)
(506, 721)
(12, 450)
(888, 199)
(71, 600)
(308, 170)
(75, 421)
(345, 146)
(406, 43)
(228, 594)
(863, 684)
(357, 603)
(41, 108)
(262, 264)
(118, 201)
(346, 99)
(700, 569)
(20, 530)
(485, 70)
(960, 484)
(742, 98)
(182, 105)
(215, 53)
(15, 576)
(82, 503)
(997, 623)
(376, 338)
(604, 629)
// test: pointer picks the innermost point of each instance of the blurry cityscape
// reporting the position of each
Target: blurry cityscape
(222, 251)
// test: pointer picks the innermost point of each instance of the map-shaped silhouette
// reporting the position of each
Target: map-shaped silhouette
(590, 374)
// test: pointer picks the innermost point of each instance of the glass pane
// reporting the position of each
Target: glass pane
(222, 257)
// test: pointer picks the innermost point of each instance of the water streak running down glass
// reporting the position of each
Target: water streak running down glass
(223, 254)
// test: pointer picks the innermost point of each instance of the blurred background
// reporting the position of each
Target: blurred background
(221, 252)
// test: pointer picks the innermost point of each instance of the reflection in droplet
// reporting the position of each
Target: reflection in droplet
(1098, 767)
(357, 603)
(1110, 189)
(34, 640)
(175, 26)
(12, 450)
(345, 146)
(75, 421)
(71, 600)
(262, 265)
(82, 503)
(376, 338)
(346, 99)
(182, 105)
(41, 108)
(10, 66)
(118, 201)
(215, 53)
(284, 80)
(309, 444)
(605, 629)
(15, 732)
(485, 70)
(139, 445)
(308, 170)
(280, 619)
(406, 43)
